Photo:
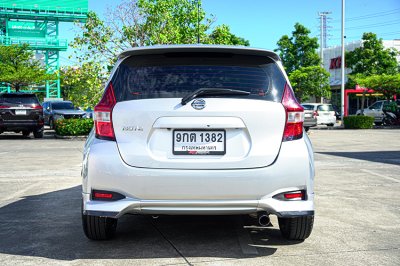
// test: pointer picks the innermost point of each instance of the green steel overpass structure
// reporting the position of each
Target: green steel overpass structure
(36, 22)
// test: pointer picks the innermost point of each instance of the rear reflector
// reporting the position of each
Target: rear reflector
(294, 116)
(98, 195)
(106, 195)
(292, 195)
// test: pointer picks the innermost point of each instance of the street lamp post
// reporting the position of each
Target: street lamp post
(343, 62)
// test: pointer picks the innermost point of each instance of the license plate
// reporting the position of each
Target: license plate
(198, 142)
(307, 115)
(20, 112)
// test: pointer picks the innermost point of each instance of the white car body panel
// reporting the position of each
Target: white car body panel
(149, 143)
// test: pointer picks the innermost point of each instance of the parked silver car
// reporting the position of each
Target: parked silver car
(310, 117)
(376, 111)
(198, 130)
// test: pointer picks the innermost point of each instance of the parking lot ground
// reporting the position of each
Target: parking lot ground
(357, 189)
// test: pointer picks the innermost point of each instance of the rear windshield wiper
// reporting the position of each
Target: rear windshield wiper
(211, 91)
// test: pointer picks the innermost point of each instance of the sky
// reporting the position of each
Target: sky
(264, 22)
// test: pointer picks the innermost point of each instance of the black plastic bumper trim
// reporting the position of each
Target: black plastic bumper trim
(294, 214)
(101, 214)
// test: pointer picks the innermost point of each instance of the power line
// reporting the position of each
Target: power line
(371, 15)
(382, 34)
(374, 25)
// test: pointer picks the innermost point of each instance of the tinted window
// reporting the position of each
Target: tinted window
(325, 107)
(176, 75)
(62, 105)
(308, 107)
(377, 105)
(18, 99)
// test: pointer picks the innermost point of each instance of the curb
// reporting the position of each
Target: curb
(70, 137)
(327, 128)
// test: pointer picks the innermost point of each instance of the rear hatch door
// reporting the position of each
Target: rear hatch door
(153, 129)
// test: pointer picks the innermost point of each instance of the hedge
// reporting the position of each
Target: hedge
(358, 122)
(73, 127)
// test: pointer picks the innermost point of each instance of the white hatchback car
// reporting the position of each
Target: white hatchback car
(198, 130)
(325, 113)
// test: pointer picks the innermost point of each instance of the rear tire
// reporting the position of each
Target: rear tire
(297, 228)
(38, 134)
(99, 228)
(306, 129)
(25, 133)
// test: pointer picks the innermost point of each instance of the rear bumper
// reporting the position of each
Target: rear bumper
(197, 192)
(310, 122)
(207, 207)
(21, 125)
(323, 120)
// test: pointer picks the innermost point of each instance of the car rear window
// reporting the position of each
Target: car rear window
(325, 107)
(176, 75)
(308, 107)
(18, 99)
(63, 106)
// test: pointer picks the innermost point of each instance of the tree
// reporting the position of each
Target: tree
(299, 50)
(222, 35)
(302, 63)
(18, 67)
(83, 85)
(309, 81)
(136, 23)
(372, 58)
(386, 84)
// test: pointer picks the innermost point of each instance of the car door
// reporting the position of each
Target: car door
(377, 111)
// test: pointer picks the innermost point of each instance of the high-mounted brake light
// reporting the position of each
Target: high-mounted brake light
(294, 116)
(103, 115)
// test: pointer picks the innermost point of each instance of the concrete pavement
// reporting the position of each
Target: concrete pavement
(357, 212)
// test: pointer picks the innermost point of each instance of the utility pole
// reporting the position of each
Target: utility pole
(323, 33)
(198, 21)
(343, 60)
(322, 39)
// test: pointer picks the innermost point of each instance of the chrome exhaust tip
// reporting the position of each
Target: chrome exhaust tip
(263, 219)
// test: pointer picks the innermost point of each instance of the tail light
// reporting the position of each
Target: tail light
(315, 114)
(103, 115)
(4, 106)
(294, 116)
(37, 107)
